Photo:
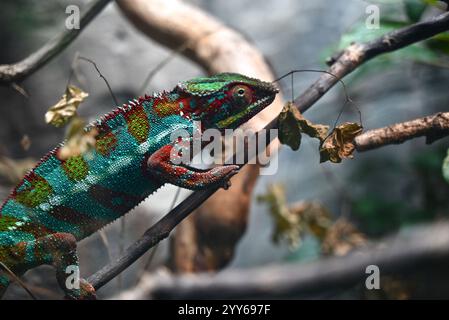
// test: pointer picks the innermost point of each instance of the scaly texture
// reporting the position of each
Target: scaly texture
(63, 200)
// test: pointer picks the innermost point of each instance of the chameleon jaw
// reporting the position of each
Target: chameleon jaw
(246, 113)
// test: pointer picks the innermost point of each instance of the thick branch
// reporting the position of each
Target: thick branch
(432, 127)
(11, 73)
(411, 252)
(350, 59)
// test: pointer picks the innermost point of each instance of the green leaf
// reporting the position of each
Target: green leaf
(446, 167)
(414, 9)
(440, 43)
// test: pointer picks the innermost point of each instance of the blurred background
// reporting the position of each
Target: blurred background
(342, 206)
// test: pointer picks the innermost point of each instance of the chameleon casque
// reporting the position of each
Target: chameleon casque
(62, 201)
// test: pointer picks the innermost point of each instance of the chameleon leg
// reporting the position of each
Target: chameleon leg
(161, 166)
(59, 250)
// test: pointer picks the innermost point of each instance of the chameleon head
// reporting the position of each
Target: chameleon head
(227, 100)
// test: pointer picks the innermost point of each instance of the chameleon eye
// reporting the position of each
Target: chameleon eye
(242, 93)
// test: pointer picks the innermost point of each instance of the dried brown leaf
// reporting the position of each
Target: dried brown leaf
(340, 143)
(291, 223)
(292, 124)
(341, 238)
(314, 216)
(59, 114)
(286, 225)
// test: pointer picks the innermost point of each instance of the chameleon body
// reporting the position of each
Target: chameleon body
(65, 199)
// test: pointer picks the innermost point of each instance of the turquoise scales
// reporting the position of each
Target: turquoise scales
(63, 200)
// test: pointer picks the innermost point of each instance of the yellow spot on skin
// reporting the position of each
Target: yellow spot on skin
(36, 192)
(166, 108)
(76, 168)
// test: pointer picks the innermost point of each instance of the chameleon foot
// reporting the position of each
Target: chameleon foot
(225, 173)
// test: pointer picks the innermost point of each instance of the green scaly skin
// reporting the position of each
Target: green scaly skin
(64, 200)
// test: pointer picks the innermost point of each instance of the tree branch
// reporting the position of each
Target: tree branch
(419, 249)
(350, 59)
(12, 73)
(432, 127)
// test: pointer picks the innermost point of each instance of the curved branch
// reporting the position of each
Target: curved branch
(204, 39)
(432, 127)
(418, 250)
(11, 73)
(351, 58)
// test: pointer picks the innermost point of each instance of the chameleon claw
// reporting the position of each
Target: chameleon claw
(226, 181)
(227, 184)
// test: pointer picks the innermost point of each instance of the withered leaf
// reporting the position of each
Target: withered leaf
(78, 141)
(291, 223)
(59, 114)
(341, 238)
(315, 216)
(286, 225)
(292, 124)
(340, 143)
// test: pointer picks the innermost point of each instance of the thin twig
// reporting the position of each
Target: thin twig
(114, 99)
(19, 71)
(20, 90)
(18, 280)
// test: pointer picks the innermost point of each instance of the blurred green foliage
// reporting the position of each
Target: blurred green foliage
(396, 14)
(423, 196)
(19, 19)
